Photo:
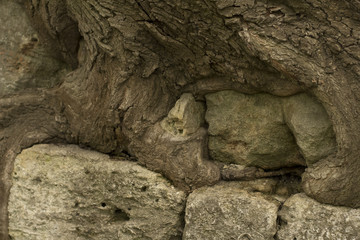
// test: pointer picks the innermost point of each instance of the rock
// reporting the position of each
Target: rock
(249, 130)
(226, 211)
(177, 146)
(185, 117)
(303, 218)
(181, 158)
(64, 192)
(24, 61)
(311, 127)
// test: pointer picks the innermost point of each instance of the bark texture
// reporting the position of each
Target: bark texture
(131, 61)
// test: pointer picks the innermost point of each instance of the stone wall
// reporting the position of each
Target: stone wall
(65, 192)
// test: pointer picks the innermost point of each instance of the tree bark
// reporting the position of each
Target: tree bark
(131, 60)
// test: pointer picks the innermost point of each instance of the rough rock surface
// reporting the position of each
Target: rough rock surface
(183, 158)
(305, 219)
(64, 192)
(226, 211)
(177, 146)
(249, 130)
(185, 117)
(24, 61)
(311, 127)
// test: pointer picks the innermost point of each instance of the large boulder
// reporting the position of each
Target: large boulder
(225, 211)
(311, 127)
(303, 218)
(65, 192)
(250, 130)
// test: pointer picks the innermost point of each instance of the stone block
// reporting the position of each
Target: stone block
(65, 192)
(225, 211)
(311, 127)
(303, 218)
(250, 130)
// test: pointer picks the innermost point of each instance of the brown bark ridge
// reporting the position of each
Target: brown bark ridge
(132, 60)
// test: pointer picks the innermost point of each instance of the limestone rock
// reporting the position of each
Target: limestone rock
(227, 212)
(185, 117)
(249, 130)
(306, 219)
(311, 127)
(64, 192)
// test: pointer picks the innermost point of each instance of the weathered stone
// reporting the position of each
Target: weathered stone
(64, 192)
(181, 158)
(311, 127)
(305, 219)
(177, 146)
(226, 211)
(185, 117)
(249, 130)
(24, 62)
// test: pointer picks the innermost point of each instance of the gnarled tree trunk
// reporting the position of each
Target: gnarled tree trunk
(121, 66)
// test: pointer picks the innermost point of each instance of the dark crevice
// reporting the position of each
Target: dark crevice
(182, 218)
(143, 9)
(120, 215)
(279, 222)
(232, 173)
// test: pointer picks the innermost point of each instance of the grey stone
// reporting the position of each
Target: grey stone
(249, 130)
(64, 192)
(303, 218)
(311, 127)
(185, 117)
(24, 61)
(226, 211)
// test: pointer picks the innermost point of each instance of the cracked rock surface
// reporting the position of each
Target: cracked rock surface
(65, 192)
(306, 219)
(228, 212)
(267, 131)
